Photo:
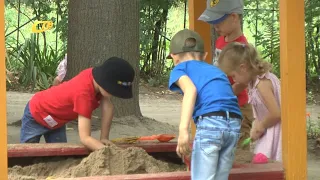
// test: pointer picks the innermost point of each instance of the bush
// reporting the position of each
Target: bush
(34, 66)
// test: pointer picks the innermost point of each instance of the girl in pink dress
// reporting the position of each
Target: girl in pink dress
(245, 66)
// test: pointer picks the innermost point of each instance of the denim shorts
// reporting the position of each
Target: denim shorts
(214, 147)
(31, 131)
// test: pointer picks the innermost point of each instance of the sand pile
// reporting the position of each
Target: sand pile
(110, 160)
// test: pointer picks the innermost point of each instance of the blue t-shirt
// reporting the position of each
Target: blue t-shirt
(214, 91)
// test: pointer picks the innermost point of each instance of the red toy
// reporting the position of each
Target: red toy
(260, 159)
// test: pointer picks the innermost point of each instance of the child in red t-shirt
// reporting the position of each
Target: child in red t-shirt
(225, 16)
(48, 111)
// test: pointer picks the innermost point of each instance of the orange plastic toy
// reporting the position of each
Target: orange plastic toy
(160, 137)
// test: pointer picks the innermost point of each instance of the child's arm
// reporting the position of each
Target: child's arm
(84, 125)
(61, 72)
(265, 89)
(189, 98)
(188, 102)
(56, 81)
(106, 119)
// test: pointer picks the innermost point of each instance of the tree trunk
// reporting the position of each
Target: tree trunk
(99, 29)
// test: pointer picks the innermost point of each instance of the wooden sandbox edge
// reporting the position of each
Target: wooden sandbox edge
(66, 149)
(272, 171)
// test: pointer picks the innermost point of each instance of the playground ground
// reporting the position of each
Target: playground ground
(156, 104)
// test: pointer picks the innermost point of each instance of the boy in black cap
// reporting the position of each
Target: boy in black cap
(48, 111)
(208, 99)
(225, 16)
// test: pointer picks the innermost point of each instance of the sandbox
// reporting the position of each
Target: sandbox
(145, 162)
(111, 160)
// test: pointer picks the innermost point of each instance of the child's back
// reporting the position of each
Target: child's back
(214, 92)
(67, 100)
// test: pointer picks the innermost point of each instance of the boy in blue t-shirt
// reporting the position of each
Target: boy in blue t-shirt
(208, 100)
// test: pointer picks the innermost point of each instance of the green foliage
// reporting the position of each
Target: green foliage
(262, 20)
(159, 20)
(33, 61)
(154, 39)
(313, 127)
(38, 66)
(312, 29)
(62, 24)
(47, 10)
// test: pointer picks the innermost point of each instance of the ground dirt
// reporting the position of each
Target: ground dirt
(161, 111)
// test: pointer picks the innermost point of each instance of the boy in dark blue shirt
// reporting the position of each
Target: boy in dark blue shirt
(208, 100)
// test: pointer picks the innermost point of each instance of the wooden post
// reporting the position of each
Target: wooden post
(293, 89)
(3, 111)
(196, 8)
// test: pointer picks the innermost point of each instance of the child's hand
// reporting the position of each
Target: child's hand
(257, 130)
(183, 148)
(106, 142)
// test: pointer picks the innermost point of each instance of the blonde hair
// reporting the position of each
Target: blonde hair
(236, 53)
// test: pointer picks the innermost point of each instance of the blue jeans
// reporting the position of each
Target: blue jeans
(31, 131)
(214, 147)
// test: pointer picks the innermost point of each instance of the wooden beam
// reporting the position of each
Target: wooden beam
(247, 172)
(63, 149)
(3, 111)
(293, 89)
(196, 8)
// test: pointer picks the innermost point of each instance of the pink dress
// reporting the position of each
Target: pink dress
(62, 69)
(270, 143)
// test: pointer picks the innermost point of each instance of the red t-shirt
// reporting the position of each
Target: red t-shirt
(220, 44)
(60, 104)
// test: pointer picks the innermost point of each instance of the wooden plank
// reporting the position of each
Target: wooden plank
(63, 149)
(3, 111)
(43, 150)
(158, 176)
(196, 8)
(269, 171)
(247, 172)
(293, 89)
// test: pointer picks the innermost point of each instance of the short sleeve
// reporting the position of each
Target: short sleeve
(84, 105)
(242, 39)
(175, 75)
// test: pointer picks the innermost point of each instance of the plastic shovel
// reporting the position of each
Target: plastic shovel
(159, 137)
(246, 142)
(165, 137)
